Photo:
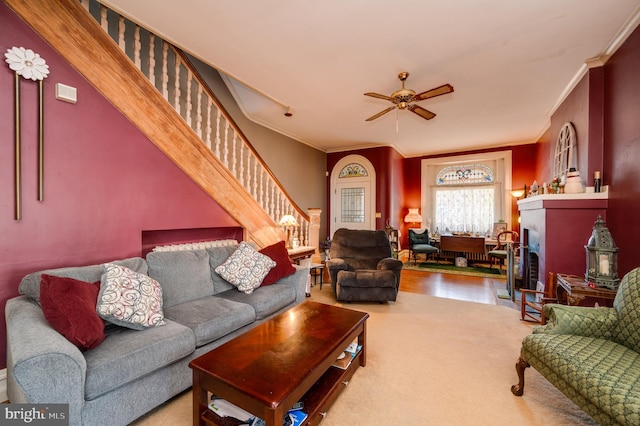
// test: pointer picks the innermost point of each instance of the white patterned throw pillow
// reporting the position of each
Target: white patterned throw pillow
(245, 268)
(129, 299)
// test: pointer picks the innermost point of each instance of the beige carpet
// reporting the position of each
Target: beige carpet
(432, 361)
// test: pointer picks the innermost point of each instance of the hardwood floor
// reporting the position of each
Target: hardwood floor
(451, 286)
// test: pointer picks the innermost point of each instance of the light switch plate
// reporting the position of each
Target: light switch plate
(66, 93)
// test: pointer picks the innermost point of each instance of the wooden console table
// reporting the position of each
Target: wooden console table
(573, 290)
(299, 255)
(473, 248)
(302, 256)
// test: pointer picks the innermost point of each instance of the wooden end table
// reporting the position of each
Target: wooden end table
(280, 362)
(574, 291)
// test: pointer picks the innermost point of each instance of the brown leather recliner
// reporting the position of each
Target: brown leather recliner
(362, 268)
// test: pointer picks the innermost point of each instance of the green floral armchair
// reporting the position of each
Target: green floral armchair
(592, 355)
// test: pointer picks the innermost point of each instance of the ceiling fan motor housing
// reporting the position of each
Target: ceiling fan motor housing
(402, 96)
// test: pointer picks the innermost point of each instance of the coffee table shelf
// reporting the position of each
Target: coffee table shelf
(317, 400)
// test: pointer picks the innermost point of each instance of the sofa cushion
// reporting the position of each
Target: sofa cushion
(211, 317)
(129, 299)
(604, 373)
(367, 278)
(279, 254)
(245, 268)
(217, 256)
(30, 284)
(126, 355)
(69, 305)
(183, 275)
(264, 300)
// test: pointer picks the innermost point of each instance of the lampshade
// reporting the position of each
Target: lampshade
(517, 193)
(413, 216)
(288, 220)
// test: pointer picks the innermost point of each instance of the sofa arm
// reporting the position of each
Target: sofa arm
(390, 263)
(579, 321)
(43, 366)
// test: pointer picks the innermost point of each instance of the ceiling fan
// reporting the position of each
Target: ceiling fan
(403, 99)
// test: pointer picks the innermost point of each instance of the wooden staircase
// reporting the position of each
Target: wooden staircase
(75, 34)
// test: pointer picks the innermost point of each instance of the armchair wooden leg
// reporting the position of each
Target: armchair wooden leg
(521, 365)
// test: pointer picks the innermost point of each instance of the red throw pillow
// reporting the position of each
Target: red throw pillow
(69, 305)
(279, 254)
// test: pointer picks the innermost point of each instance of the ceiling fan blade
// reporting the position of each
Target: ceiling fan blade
(424, 113)
(373, 117)
(377, 95)
(442, 90)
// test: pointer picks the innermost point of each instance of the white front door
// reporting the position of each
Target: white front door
(353, 194)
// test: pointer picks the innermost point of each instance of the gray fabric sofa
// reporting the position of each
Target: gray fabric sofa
(131, 371)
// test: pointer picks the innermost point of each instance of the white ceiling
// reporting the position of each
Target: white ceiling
(511, 63)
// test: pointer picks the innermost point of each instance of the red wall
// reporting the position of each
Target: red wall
(105, 182)
(604, 110)
(621, 152)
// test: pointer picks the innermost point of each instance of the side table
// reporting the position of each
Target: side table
(302, 256)
(573, 290)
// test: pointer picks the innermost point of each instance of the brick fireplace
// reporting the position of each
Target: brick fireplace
(553, 231)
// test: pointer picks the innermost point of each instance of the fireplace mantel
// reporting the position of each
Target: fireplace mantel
(550, 201)
(557, 226)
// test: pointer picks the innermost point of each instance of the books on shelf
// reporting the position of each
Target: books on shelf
(224, 408)
(347, 356)
(297, 417)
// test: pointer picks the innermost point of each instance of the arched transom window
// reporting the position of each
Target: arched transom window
(465, 175)
(353, 170)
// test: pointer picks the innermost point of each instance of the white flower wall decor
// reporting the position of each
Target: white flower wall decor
(27, 63)
(31, 66)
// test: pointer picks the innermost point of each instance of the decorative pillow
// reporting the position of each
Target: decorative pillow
(245, 268)
(69, 305)
(129, 299)
(279, 254)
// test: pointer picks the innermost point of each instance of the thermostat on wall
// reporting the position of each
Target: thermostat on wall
(66, 93)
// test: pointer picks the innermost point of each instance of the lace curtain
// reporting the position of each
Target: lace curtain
(465, 209)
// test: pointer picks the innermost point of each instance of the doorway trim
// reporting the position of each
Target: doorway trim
(370, 179)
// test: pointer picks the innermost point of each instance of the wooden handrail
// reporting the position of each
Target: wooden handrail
(98, 58)
(233, 124)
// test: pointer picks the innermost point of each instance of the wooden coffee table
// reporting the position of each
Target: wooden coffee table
(280, 362)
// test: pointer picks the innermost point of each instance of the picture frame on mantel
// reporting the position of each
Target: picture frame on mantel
(499, 227)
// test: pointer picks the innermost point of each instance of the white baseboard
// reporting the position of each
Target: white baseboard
(3, 385)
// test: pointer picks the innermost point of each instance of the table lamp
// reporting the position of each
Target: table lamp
(287, 222)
